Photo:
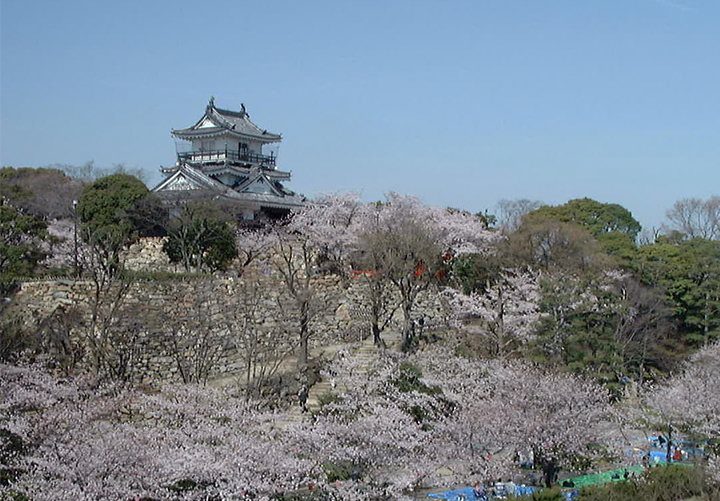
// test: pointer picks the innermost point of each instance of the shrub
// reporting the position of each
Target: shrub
(340, 471)
(666, 483)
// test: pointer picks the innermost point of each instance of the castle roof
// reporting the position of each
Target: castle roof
(258, 186)
(218, 122)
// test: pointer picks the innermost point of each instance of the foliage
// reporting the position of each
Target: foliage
(506, 311)
(14, 340)
(149, 216)
(666, 483)
(552, 245)
(554, 494)
(611, 224)
(21, 238)
(475, 273)
(546, 291)
(44, 193)
(688, 271)
(409, 379)
(103, 211)
(201, 238)
(606, 324)
(105, 202)
(599, 218)
(342, 470)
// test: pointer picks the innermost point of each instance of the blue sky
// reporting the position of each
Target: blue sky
(461, 103)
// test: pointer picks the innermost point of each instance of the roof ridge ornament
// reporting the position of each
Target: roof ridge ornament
(212, 101)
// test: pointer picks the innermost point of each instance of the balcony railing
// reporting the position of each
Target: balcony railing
(238, 156)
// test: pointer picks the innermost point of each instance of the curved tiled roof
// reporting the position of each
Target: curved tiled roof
(235, 122)
(196, 180)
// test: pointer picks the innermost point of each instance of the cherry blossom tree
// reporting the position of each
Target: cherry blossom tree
(390, 429)
(405, 242)
(521, 407)
(508, 310)
(318, 239)
(333, 223)
(470, 416)
(252, 244)
(690, 400)
(556, 415)
(379, 301)
(295, 263)
(263, 345)
(84, 441)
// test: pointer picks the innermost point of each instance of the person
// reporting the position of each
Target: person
(510, 487)
(480, 493)
(303, 396)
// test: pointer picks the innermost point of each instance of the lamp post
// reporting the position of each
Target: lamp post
(75, 237)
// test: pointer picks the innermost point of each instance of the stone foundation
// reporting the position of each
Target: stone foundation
(166, 328)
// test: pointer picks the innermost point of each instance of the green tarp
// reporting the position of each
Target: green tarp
(602, 478)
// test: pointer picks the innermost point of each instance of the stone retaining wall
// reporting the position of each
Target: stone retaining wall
(165, 327)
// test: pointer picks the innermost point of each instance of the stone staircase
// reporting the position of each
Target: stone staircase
(363, 354)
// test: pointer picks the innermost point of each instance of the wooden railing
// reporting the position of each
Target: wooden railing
(239, 156)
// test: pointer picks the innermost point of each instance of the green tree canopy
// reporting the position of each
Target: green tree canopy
(612, 225)
(689, 273)
(597, 217)
(21, 236)
(105, 202)
(103, 210)
(201, 237)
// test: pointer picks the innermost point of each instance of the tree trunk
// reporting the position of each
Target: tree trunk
(408, 338)
(304, 335)
(550, 472)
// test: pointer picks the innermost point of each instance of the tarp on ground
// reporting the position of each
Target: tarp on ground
(605, 477)
(465, 494)
(525, 490)
(469, 493)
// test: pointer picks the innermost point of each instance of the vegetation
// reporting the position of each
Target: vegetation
(21, 250)
(558, 316)
(668, 483)
(201, 238)
(44, 193)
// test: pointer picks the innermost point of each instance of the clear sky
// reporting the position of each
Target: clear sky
(461, 103)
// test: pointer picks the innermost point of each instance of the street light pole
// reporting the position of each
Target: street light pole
(75, 236)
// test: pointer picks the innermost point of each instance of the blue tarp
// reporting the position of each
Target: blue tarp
(658, 456)
(466, 494)
(469, 494)
(525, 490)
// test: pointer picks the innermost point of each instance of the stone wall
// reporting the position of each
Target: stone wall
(167, 326)
(148, 254)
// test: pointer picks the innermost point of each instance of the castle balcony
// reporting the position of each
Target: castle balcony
(233, 156)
